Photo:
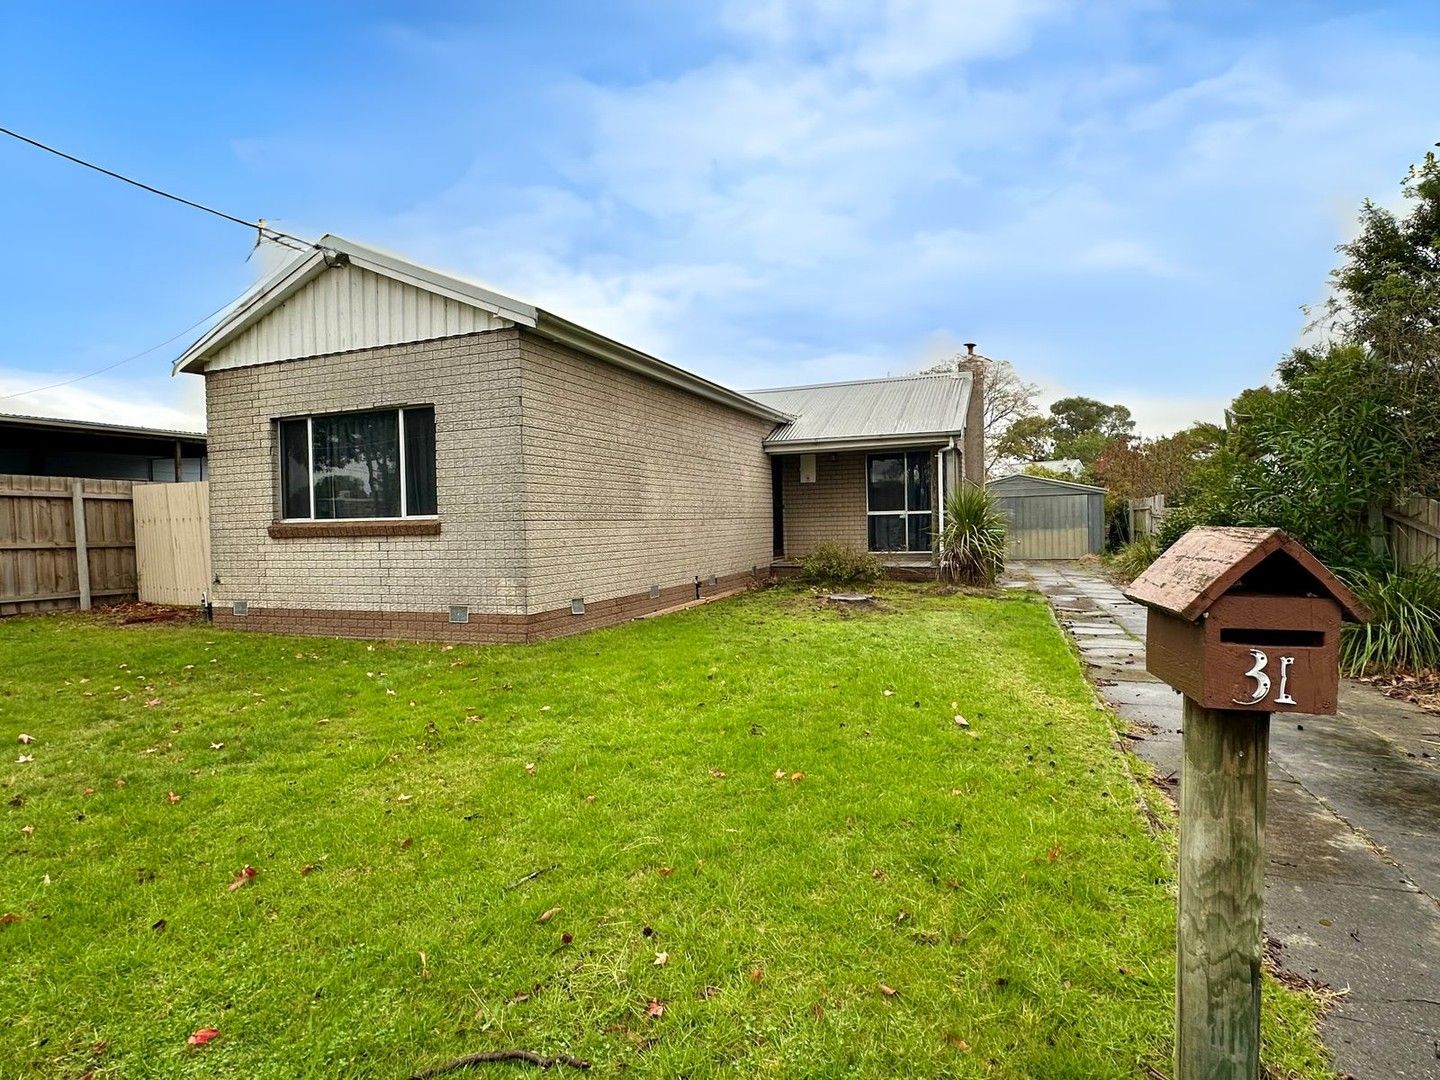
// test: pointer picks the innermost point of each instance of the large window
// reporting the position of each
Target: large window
(358, 465)
(899, 494)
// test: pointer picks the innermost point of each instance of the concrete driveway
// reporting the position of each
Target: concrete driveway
(1352, 833)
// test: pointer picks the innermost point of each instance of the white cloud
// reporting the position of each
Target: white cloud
(113, 401)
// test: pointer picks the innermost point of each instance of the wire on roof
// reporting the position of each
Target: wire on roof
(261, 229)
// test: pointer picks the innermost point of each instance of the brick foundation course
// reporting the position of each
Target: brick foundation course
(482, 628)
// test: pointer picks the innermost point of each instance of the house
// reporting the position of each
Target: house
(396, 452)
(41, 446)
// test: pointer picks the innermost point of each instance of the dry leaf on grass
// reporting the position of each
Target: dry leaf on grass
(960, 721)
(172, 798)
(25, 740)
(11, 917)
(203, 1036)
(246, 873)
(719, 774)
(655, 1009)
(1053, 853)
(661, 959)
(888, 991)
(547, 915)
(24, 759)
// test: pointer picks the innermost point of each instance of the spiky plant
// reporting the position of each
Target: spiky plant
(972, 543)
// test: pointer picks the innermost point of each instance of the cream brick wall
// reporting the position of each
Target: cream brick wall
(474, 384)
(831, 510)
(630, 482)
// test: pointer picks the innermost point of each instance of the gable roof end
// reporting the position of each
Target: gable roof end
(332, 251)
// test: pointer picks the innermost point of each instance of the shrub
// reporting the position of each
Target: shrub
(972, 543)
(1131, 560)
(840, 565)
(1405, 633)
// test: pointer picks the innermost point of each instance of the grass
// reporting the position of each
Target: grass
(775, 796)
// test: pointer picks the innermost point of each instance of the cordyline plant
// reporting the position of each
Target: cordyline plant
(972, 543)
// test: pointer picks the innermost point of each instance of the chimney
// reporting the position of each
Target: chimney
(973, 460)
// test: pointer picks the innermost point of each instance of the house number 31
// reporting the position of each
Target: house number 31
(1262, 680)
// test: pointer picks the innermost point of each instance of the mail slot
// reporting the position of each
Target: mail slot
(1245, 619)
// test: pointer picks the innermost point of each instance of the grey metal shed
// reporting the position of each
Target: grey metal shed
(1050, 519)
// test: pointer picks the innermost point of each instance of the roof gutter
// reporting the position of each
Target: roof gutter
(576, 336)
(862, 442)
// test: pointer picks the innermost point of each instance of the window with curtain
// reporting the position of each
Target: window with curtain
(899, 492)
(344, 466)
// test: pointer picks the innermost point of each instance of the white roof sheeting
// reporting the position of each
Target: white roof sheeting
(917, 408)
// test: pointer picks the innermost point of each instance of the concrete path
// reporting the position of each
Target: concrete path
(1352, 836)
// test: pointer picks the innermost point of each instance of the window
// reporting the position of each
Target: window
(899, 494)
(358, 465)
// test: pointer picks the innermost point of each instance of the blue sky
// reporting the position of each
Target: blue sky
(1129, 200)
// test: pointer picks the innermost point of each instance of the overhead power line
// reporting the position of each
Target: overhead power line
(117, 363)
(260, 227)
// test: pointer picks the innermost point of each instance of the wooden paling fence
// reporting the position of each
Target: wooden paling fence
(172, 542)
(1146, 515)
(64, 542)
(1415, 532)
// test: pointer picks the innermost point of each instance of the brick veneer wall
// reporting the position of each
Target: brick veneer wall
(831, 510)
(558, 476)
(474, 383)
(630, 482)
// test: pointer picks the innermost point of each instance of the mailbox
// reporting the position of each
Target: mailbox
(1244, 618)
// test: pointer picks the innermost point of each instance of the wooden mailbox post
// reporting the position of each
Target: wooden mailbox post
(1244, 623)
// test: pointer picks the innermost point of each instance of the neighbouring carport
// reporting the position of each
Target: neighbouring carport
(1050, 519)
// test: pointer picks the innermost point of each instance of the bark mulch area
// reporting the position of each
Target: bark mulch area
(1420, 688)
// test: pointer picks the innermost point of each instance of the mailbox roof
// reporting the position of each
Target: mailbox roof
(1208, 562)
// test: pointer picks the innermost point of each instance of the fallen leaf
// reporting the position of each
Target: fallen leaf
(566, 938)
(665, 871)
(1054, 853)
(655, 1009)
(530, 767)
(152, 703)
(888, 991)
(172, 798)
(544, 708)
(424, 966)
(706, 992)
(28, 830)
(98, 1048)
(403, 798)
(878, 874)
(757, 973)
(779, 774)
(889, 693)
(661, 959)
(589, 799)
(25, 740)
(796, 777)
(405, 844)
(119, 781)
(88, 791)
(24, 759)
(203, 1036)
(519, 996)
(308, 869)
(958, 1043)
(246, 873)
(719, 774)
(547, 915)
(10, 917)
(960, 721)
(217, 746)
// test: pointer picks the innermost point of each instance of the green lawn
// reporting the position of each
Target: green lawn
(774, 798)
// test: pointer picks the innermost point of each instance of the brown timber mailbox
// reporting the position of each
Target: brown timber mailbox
(1245, 619)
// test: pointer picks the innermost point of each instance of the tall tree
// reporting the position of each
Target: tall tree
(1084, 427)
(1008, 399)
(1387, 297)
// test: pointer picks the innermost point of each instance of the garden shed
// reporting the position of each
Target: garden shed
(1051, 519)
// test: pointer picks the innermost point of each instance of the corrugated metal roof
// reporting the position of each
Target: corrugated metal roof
(1022, 479)
(918, 405)
(96, 427)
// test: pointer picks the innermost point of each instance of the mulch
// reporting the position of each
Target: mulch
(1420, 688)
(134, 613)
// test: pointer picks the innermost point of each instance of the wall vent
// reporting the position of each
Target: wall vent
(459, 613)
(577, 606)
(655, 592)
(240, 607)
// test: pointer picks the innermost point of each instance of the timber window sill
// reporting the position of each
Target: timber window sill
(312, 530)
